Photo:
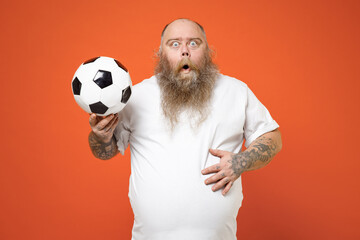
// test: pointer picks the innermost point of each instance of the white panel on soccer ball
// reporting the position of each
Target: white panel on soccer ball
(90, 92)
(78, 72)
(87, 92)
(116, 108)
(120, 77)
(117, 77)
(86, 73)
(105, 63)
(82, 104)
(110, 96)
(123, 80)
(115, 67)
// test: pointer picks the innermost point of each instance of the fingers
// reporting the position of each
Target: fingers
(220, 184)
(212, 169)
(99, 118)
(101, 125)
(108, 126)
(224, 177)
(216, 152)
(104, 127)
(98, 123)
(92, 120)
(215, 178)
(227, 188)
(112, 124)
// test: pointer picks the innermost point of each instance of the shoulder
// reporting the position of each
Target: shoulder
(230, 84)
(144, 92)
(146, 85)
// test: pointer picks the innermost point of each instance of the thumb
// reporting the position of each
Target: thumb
(92, 119)
(216, 152)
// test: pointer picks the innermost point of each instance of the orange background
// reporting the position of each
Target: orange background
(301, 58)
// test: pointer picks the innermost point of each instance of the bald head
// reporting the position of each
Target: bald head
(181, 21)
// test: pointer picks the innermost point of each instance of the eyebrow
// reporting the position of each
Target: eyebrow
(189, 39)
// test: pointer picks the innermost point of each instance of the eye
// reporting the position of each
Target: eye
(175, 44)
(193, 44)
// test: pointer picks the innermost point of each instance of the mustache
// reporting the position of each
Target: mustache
(186, 63)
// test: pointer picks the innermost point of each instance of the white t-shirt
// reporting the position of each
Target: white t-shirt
(167, 191)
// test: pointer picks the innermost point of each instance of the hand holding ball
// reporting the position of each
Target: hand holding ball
(101, 85)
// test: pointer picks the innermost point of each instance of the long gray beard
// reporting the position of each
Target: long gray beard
(191, 94)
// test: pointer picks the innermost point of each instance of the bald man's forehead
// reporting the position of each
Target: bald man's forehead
(183, 28)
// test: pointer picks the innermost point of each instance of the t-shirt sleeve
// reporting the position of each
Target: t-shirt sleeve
(122, 133)
(258, 119)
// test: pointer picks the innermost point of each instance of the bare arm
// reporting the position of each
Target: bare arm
(101, 139)
(231, 166)
(261, 151)
(101, 149)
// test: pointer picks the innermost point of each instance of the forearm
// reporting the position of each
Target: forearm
(100, 149)
(259, 153)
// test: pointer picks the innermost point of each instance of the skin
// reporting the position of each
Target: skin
(101, 139)
(184, 39)
(260, 152)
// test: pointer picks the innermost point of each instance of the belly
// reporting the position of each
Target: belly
(183, 209)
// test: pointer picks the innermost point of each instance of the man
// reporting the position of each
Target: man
(184, 123)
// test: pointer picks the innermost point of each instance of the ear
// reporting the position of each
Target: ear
(158, 53)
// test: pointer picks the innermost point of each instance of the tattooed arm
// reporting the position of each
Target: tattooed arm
(258, 154)
(231, 166)
(102, 150)
(101, 139)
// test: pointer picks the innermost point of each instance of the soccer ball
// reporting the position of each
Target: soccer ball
(101, 85)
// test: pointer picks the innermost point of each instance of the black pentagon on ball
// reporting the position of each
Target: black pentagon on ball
(98, 107)
(90, 60)
(103, 78)
(76, 86)
(126, 93)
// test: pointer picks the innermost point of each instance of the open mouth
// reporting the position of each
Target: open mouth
(186, 67)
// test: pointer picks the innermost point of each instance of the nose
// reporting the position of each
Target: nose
(185, 51)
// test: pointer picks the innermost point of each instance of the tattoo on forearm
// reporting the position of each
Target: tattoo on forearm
(260, 153)
(102, 150)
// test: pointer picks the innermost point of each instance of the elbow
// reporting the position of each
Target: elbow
(104, 157)
(279, 141)
(280, 146)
